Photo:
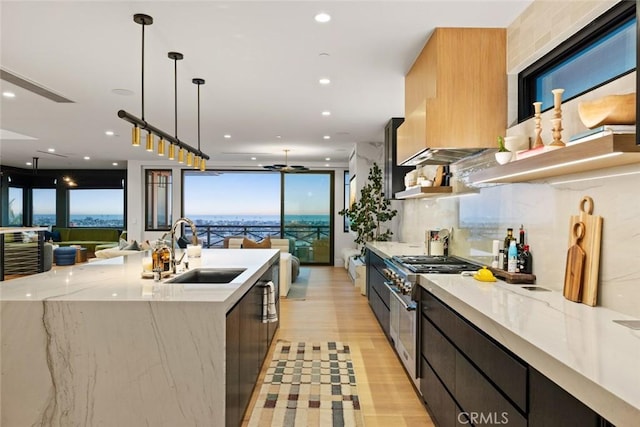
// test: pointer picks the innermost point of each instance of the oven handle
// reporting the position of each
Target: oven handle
(400, 300)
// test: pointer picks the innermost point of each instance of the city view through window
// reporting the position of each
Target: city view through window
(253, 204)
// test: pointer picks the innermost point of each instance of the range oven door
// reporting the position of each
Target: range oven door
(403, 330)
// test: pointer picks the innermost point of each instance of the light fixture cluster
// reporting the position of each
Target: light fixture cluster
(176, 149)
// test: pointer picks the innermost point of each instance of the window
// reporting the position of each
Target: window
(599, 53)
(232, 203)
(158, 200)
(44, 206)
(16, 203)
(307, 215)
(96, 208)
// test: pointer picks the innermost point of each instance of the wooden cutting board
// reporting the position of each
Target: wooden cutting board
(575, 265)
(437, 180)
(590, 244)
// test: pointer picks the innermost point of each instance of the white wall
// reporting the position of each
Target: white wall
(544, 207)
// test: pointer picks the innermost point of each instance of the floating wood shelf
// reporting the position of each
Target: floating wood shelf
(604, 152)
(422, 192)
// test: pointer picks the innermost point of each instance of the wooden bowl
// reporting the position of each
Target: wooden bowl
(609, 110)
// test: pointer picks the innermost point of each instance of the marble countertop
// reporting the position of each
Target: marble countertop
(120, 279)
(389, 249)
(579, 347)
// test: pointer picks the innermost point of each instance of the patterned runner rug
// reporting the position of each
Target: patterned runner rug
(308, 384)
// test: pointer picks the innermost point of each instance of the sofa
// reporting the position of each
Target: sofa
(86, 237)
(289, 264)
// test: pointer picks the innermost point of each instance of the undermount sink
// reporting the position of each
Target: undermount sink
(208, 275)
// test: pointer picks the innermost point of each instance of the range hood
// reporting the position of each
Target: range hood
(440, 156)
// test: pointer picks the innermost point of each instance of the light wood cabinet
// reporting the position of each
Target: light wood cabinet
(456, 92)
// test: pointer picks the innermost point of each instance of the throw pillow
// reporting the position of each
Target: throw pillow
(55, 235)
(133, 246)
(252, 244)
(122, 244)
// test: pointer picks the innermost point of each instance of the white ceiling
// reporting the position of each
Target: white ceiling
(261, 61)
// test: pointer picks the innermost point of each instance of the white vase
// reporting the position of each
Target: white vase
(503, 157)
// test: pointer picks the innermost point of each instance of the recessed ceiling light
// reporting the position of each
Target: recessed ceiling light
(123, 92)
(29, 163)
(227, 136)
(51, 150)
(324, 81)
(8, 94)
(327, 158)
(109, 133)
(115, 163)
(327, 164)
(326, 137)
(326, 113)
(87, 158)
(253, 158)
(278, 136)
(324, 54)
(322, 17)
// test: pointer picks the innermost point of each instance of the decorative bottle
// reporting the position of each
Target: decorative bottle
(512, 264)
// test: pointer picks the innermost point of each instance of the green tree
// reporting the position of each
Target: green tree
(371, 211)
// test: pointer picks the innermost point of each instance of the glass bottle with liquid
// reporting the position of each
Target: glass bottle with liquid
(507, 243)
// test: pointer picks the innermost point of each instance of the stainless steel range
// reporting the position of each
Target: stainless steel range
(402, 273)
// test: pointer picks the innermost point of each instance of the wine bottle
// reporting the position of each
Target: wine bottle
(507, 243)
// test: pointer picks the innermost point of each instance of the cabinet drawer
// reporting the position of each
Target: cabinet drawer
(441, 405)
(505, 370)
(439, 352)
(377, 284)
(480, 399)
(552, 406)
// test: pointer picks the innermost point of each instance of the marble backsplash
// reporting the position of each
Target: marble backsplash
(544, 208)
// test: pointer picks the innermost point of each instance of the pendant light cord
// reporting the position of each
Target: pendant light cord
(175, 88)
(143, 25)
(198, 117)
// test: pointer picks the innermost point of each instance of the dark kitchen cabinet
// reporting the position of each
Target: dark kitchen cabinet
(552, 406)
(393, 174)
(247, 344)
(464, 373)
(482, 378)
(377, 293)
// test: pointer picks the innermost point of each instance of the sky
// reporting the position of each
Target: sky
(243, 193)
(230, 193)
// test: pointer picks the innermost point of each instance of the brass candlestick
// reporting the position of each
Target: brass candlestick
(538, 141)
(557, 118)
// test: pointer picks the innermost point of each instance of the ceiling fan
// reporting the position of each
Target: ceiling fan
(286, 168)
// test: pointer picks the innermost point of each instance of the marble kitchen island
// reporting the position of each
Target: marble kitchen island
(95, 344)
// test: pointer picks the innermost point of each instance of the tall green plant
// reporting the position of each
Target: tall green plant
(368, 215)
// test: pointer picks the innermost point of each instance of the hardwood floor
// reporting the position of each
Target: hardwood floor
(334, 310)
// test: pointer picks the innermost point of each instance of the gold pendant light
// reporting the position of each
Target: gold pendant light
(135, 136)
(161, 147)
(203, 165)
(149, 142)
(141, 124)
